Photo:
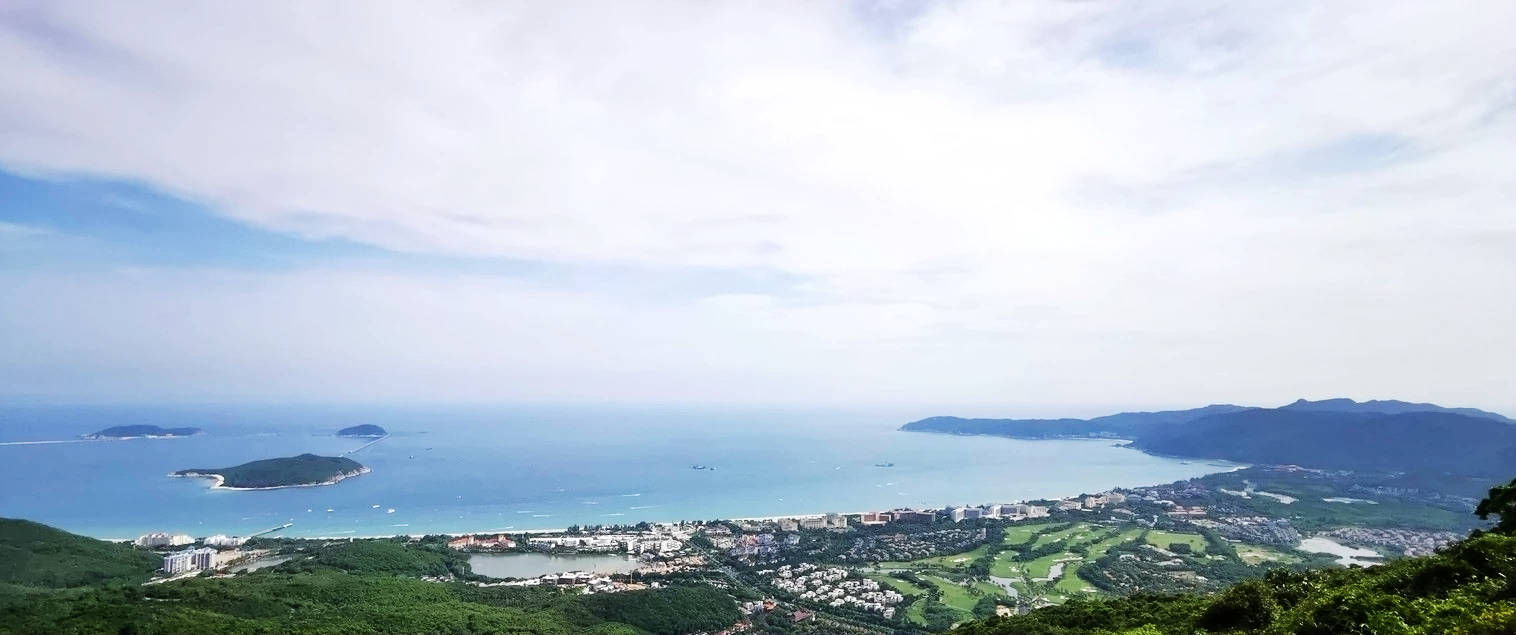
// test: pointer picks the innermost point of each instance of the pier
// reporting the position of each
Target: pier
(364, 446)
(272, 530)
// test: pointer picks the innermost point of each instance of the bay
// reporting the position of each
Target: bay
(475, 469)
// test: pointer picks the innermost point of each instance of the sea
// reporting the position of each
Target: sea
(456, 469)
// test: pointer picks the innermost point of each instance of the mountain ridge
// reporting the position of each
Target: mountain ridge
(1328, 434)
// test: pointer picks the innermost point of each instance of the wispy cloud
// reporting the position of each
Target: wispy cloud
(1048, 200)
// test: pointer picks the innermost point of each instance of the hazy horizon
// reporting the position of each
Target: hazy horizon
(973, 208)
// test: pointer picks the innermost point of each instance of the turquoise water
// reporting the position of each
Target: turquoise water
(450, 469)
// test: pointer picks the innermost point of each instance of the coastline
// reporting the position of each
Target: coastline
(219, 480)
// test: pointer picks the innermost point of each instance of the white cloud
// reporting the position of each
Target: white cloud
(1050, 200)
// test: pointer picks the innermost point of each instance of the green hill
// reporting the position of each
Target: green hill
(36, 555)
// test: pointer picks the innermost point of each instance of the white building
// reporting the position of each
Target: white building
(160, 539)
(222, 540)
(189, 560)
(960, 514)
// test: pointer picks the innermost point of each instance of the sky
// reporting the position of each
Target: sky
(983, 207)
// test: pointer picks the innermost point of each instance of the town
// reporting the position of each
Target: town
(899, 568)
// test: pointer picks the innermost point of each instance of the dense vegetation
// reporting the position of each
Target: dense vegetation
(364, 430)
(384, 557)
(335, 602)
(306, 469)
(335, 587)
(127, 432)
(35, 555)
(1343, 435)
(1470, 587)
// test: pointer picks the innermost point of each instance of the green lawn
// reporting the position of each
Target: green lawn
(963, 598)
(1255, 554)
(1017, 534)
(1162, 540)
(1039, 568)
(1098, 549)
(952, 561)
(1074, 532)
(1005, 567)
(904, 587)
(1071, 584)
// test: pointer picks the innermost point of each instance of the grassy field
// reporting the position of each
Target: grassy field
(1254, 554)
(963, 598)
(1067, 535)
(904, 587)
(1162, 540)
(1071, 584)
(1005, 567)
(1018, 534)
(950, 562)
(1098, 549)
(1040, 567)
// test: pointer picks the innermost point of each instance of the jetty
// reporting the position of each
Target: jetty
(364, 446)
(272, 530)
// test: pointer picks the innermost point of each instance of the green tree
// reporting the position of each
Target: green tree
(1501, 502)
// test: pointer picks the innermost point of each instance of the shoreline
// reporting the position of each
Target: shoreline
(221, 480)
(1230, 467)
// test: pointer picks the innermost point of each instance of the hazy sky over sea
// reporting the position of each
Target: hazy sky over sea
(988, 206)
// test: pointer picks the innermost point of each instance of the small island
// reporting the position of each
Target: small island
(306, 470)
(365, 431)
(141, 432)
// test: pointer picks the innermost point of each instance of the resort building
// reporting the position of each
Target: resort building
(160, 539)
(188, 560)
(222, 540)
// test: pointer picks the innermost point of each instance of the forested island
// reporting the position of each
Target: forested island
(294, 471)
(366, 431)
(141, 431)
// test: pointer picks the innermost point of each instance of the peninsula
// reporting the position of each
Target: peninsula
(1333, 434)
(141, 432)
(366, 431)
(306, 470)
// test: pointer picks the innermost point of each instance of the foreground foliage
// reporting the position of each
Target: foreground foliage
(335, 602)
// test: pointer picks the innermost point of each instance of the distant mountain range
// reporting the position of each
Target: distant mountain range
(1331, 434)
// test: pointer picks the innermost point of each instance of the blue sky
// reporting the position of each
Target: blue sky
(979, 206)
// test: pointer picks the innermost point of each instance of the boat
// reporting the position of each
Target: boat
(699, 467)
(884, 465)
(390, 510)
